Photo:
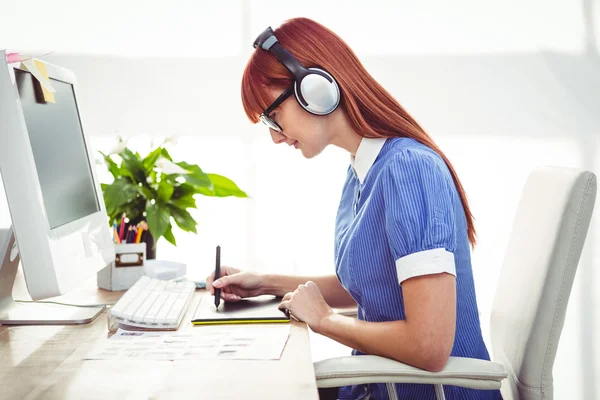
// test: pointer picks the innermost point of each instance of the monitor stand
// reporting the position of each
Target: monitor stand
(17, 313)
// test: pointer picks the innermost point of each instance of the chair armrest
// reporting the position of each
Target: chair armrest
(355, 370)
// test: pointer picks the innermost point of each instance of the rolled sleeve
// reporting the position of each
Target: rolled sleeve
(435, 261)
(419, 196)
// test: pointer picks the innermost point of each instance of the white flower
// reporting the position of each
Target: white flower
(119, 147)
(171, 139)
(169, 168)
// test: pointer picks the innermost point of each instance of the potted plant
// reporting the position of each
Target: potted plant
(159, 191)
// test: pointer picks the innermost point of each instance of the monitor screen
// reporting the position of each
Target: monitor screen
(59, 151)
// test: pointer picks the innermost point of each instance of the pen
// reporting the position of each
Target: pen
(144, 229)
(116, 235)
(217, 276)
(138, 235)
(122, 228)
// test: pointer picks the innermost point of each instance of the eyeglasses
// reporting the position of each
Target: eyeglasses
(266, 119)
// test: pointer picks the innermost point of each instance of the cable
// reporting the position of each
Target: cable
(66, 304)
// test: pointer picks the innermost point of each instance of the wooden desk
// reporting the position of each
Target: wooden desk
(45, 362)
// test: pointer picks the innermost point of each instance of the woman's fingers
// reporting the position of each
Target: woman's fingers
(284, 305)
(209, 283)
(230, 296)
(286, 300)
(224, 272)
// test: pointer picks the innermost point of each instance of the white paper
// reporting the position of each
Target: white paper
(243, 342)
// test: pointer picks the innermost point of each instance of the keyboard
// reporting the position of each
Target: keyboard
(153, 304)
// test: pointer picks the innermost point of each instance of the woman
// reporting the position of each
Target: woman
(403, 228)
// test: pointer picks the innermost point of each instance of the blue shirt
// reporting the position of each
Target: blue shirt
(400, 216)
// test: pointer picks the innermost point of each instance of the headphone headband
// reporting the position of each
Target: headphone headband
(265, 39)
(268, 41)
(327, 99)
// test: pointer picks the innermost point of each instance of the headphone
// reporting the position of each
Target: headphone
(315, 89)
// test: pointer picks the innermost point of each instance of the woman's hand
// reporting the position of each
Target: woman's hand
(235, 284)
(307, 304)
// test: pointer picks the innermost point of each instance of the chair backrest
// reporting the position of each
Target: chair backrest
(529, 308)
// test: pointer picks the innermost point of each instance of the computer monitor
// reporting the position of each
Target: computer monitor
(56, 206)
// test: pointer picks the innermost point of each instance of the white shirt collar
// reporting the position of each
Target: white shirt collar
(367, 152)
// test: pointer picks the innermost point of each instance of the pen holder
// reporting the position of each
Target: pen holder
(130, 254)
(126, 269)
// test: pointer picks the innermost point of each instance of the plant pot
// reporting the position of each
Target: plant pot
(150, 247)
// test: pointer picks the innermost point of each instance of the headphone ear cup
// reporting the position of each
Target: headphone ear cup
(316, 94)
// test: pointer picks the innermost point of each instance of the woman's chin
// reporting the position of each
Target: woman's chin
(308, 154)
(304, 151)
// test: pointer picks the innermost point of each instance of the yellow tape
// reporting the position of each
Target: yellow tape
(244, 321)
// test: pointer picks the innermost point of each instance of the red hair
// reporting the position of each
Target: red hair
(372, 111)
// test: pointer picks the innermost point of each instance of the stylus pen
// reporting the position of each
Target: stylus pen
(217, 276)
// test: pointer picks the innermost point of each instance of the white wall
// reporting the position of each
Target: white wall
(217, 29)
(502, 87)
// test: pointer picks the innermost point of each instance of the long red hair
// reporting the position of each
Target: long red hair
(372, 111)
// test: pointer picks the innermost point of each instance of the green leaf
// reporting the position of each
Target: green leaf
(158, 219)
(151, 177)
(183, 219)
(132, 166)
(133, 209)
(149, 161)
(113, 217)
(184, 202)
(169, 236)
(166, 154)
(147, 192)
(205, 191)
(165, 191)
(224, 187)
(118, 193)
(112, 166)
(196, 177)
(184, 190)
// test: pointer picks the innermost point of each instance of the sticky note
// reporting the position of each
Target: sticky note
(13, 58)
(42, 78)
(48, 96)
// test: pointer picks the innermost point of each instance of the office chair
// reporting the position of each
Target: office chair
(529, 307)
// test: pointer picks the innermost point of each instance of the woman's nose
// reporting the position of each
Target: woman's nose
(276, 136)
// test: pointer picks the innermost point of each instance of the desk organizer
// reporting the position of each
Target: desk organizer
(127, 268)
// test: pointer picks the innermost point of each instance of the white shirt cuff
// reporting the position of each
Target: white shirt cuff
(428, 262)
